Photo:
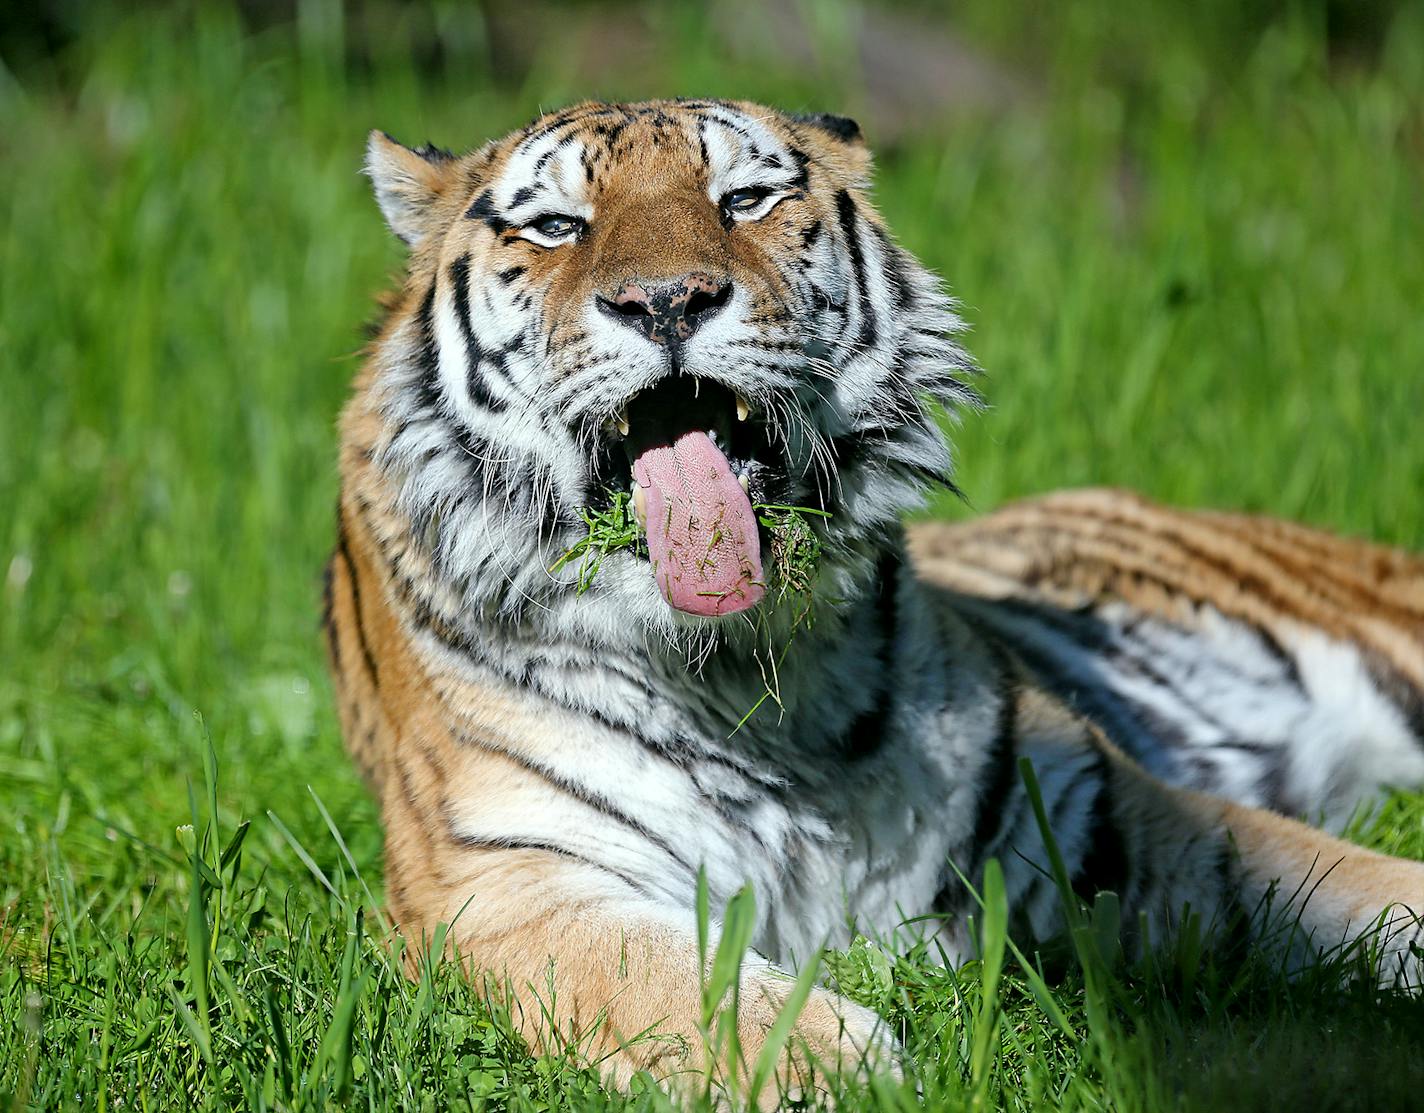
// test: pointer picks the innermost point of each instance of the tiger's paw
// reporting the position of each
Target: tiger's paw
(832, 1037)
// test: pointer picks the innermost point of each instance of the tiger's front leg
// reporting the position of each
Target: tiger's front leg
(1309, 894)
(610, 975)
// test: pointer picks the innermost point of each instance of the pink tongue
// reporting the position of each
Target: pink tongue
(702, 531)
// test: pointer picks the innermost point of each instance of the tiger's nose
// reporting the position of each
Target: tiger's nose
(668, 312)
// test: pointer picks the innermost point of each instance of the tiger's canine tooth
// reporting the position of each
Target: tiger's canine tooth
(743, 408)
(620, 422)
(745, 482)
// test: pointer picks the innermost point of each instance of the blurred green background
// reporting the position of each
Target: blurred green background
(1189, 238)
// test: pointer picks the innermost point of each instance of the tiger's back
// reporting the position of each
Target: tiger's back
(1246, 656)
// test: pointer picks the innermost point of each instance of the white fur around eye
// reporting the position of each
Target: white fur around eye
(760, 210)
(533, 235)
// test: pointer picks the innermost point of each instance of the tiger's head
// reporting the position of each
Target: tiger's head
(690, 302)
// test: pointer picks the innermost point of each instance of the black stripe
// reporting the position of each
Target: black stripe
(474, 354)
(850, 450)
(845, 212)
(729, 125)
(583, 795)
(510, 274)
(1105, 865)
(328, 622)
(344, 549)
(1248, 582)
(562, 122)
(427, 356)
(867, 734)
(1396, 688)
(683, 755)
(1234, 937)
(430, 395)
(611, 132)
(431, 153)
(1001, 766)
(894, 267)
(523, 194)
(510, 842)
(412, 798)
(1136, 726)
(803, 162)
(1122, 721)
(823, 299)
(841, 127)
(482, 208)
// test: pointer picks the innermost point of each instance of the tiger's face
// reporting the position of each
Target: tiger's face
(691, 302)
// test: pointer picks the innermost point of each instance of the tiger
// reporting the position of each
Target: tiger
(693, 309)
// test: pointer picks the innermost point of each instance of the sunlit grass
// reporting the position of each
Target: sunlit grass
(1198, 275)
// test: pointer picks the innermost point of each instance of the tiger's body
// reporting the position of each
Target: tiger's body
(555, 766)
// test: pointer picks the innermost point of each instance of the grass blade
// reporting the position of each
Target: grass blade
(780, 1031)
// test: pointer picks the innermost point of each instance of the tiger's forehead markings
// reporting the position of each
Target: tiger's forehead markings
(753, 141)
(567, 152)
(607, 124)
(548, 169)
(557, 163)
(740, 150)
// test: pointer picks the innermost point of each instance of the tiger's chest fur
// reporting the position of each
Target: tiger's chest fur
(842, 805)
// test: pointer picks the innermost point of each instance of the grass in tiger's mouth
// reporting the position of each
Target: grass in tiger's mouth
(791, 554)
(791, 547)
(611, 529)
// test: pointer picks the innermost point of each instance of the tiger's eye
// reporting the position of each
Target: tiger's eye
(743, 200)
(557, 226)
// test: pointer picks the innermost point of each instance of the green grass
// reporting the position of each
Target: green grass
(1193, 264)
(611, 528)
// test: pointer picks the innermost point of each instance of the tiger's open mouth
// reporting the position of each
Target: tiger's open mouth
(697, 462)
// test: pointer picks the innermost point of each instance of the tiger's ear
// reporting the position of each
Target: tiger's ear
(840, 127)
(408, 183)
(838, 142)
